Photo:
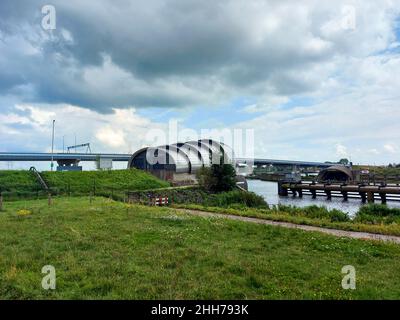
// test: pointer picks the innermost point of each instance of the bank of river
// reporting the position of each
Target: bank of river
(269, 190)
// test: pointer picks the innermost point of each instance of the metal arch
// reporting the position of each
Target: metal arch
(193, 155)
(130, 162)
(335, 169)
(170, 150)
(187, 157)
(202, 146)
(218, 145)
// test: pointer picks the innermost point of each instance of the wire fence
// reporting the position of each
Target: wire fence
(20, 192)
(17, 192)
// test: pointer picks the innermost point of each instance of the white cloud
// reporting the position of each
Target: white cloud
(390, 148)
(374, 151)
(113, 138)
(122, 131)
(341, 150)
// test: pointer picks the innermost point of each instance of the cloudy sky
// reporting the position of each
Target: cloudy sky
(316, 80)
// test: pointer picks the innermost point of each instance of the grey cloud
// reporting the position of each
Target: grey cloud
(167, 53)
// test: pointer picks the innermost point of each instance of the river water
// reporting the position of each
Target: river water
(269, 190)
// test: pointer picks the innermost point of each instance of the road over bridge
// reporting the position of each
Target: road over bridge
(260, 162)
(75, 158)
(6, 156)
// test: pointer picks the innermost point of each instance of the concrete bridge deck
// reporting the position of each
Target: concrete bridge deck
(21, 156)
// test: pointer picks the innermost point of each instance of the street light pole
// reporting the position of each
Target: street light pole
(52, 147)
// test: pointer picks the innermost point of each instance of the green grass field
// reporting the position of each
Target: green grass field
(81, 182)
(110, 250)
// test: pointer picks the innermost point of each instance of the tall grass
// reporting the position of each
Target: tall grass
(315, 212)
(378, 214)
(236, 199)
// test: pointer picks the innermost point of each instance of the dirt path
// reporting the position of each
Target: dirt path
(334, 232)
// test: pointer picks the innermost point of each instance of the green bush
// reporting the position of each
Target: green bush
(195, 195)
(217, 178)
(379, 210)
(237, 199)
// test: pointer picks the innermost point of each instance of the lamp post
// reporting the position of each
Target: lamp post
(52, 147)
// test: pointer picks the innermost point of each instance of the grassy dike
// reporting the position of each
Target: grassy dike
(82, 182)
(109, 250)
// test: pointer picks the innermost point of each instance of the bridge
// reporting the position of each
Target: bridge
(66, 161)
(22, 156)
(5, 156)
(71, 160)
(261, 162)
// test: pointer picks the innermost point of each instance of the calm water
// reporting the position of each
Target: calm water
(269, 190)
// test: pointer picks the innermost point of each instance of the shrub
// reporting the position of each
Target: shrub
(378, 210)
(217, 178)
(241, 198)
(196, 195)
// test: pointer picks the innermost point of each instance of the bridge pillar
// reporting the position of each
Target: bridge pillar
(370, 197)
(300, 191)
(345, 195)
(68, 165)
(363, 196)
(383, 197)
(328, 194)
(282, 191)
(314, 193)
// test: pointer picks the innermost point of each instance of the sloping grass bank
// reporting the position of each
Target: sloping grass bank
(79, 183)
(110, 250)
(18, 180)
(85, 181)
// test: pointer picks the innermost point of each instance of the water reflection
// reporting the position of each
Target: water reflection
(269, 190)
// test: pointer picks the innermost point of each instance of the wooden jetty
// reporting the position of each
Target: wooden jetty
(367, 193)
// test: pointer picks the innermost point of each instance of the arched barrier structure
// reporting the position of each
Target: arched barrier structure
(336, 174)
(179, 162)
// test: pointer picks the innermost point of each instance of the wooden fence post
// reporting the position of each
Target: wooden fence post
(49, 199)
(1, 201)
